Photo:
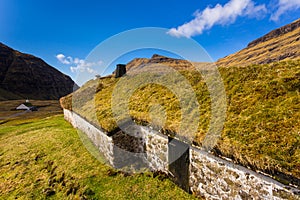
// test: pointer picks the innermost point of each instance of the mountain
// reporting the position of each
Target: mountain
(26, 76)
(139, 63)
(280, 44)
(159, 63)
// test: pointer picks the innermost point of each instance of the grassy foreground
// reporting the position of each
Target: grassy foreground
(44, 158)
(262, 128)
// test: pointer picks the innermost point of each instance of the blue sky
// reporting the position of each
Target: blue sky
(55, 30)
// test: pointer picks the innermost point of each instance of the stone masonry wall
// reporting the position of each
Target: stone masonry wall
(212, 178)
(130, 149)
(98, 137)
(209, 176)
(156, 150)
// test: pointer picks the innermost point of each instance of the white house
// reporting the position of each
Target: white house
(23, 107)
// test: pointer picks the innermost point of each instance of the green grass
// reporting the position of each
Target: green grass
(46, 108)
(262, 128)
(44, 158)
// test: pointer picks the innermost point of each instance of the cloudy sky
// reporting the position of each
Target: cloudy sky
(63, 33)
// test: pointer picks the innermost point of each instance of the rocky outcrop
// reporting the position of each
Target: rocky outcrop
(26, 76)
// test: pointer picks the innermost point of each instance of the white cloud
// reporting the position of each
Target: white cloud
(219, 14)
(82, 66)
(78, 65)
(284, 6)
(63, 59)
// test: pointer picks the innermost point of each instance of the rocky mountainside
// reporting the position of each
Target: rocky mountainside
(279, 44)
(159, 63)
(26, 76)
(140, 63)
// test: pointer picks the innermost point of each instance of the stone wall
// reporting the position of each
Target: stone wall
(130, 149)
(212, 178)
(98, 137)
(156, 150)
(209, 176)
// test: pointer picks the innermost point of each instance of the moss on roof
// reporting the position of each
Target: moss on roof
(262, 128)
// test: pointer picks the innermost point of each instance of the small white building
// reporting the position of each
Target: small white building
(23, 107)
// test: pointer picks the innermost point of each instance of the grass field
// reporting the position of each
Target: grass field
(42, 157)
(46, 108)
(262, 128)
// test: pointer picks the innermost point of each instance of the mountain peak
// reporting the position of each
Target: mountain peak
(155, 56)
(157, 61)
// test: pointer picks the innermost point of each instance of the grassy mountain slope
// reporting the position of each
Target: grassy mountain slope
(280, 44)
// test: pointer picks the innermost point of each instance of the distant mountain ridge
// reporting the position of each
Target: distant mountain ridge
(160, 64)
(280, 44)
(26, 76)
(158, 59)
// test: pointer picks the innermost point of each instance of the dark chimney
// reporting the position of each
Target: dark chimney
(121, 70)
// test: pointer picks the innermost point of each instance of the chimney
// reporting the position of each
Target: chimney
(121, 70)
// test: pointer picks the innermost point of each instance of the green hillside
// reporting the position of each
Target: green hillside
(262, 128)
(43, 157)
